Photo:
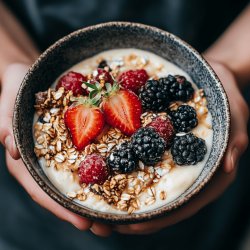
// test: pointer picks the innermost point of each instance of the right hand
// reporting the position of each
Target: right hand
(224, 176)
(11, 81)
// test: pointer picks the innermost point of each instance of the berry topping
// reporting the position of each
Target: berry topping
(184, 118)
(102, 64)
(148, 145)
(122, 159)
(122, 110)
(164, 128)
(85, 122)
(178, 87)
(133, 79)
(73, 81)
(154, 96)
(93, 169)
(188, 149)
(102, 76)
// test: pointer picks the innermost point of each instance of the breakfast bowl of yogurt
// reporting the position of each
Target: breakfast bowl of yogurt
(121, 122)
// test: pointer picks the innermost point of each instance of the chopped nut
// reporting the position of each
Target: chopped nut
(131, 210)
(81, 197)
(163, 195)
(58, 146)
(71, 194)
(126, 197)
(59, 158)
(150, 201)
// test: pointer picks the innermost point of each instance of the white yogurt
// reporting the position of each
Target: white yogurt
(175, 182)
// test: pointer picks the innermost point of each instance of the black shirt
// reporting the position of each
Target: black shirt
(198, 22)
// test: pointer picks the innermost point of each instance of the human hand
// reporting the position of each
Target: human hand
(225, 175)
(218, 184)
(11, 81)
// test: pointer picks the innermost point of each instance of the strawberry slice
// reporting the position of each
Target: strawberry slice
(122, 110)
(85, 122)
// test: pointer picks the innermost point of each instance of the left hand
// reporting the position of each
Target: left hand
(224, 176)
(11, 81)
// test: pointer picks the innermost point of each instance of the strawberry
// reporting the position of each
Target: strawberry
(93, 169)
(133, 79)
(73, 81)
(122, 110)
(85, 122)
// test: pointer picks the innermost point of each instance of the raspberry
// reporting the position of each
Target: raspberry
(164, 128)
(103, 75)
(93, 169)
(133, 79)
(73, 81)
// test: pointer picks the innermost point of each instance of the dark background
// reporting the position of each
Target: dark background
(221, 225)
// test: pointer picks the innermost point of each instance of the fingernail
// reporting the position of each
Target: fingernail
(234, 158)
(8, 143)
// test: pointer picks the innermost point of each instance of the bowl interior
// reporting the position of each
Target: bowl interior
(90, 41)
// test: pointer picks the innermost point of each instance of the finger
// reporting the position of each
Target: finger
(216, 187)
(238, 137)
(10, 84)
(19, 171)
(237, 144)
(6, 133)
(100, 229)
(239, 117)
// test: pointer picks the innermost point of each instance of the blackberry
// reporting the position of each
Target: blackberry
(188, 149)
(148, 145)
(122, 159)
(184, 118)
(102, 64)
(154, 96)
(179, 89)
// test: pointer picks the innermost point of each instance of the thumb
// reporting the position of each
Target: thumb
(7, 139)
(238, 139)
(235, 149)
(11, 81)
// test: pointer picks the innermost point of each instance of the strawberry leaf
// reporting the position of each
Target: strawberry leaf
(108, 86)
(93, 93)
(91, 86)
(97, 99)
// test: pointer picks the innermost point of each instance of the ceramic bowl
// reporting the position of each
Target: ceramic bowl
(89, 41)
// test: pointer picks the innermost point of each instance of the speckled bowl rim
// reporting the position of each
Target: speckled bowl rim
(111, 217)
